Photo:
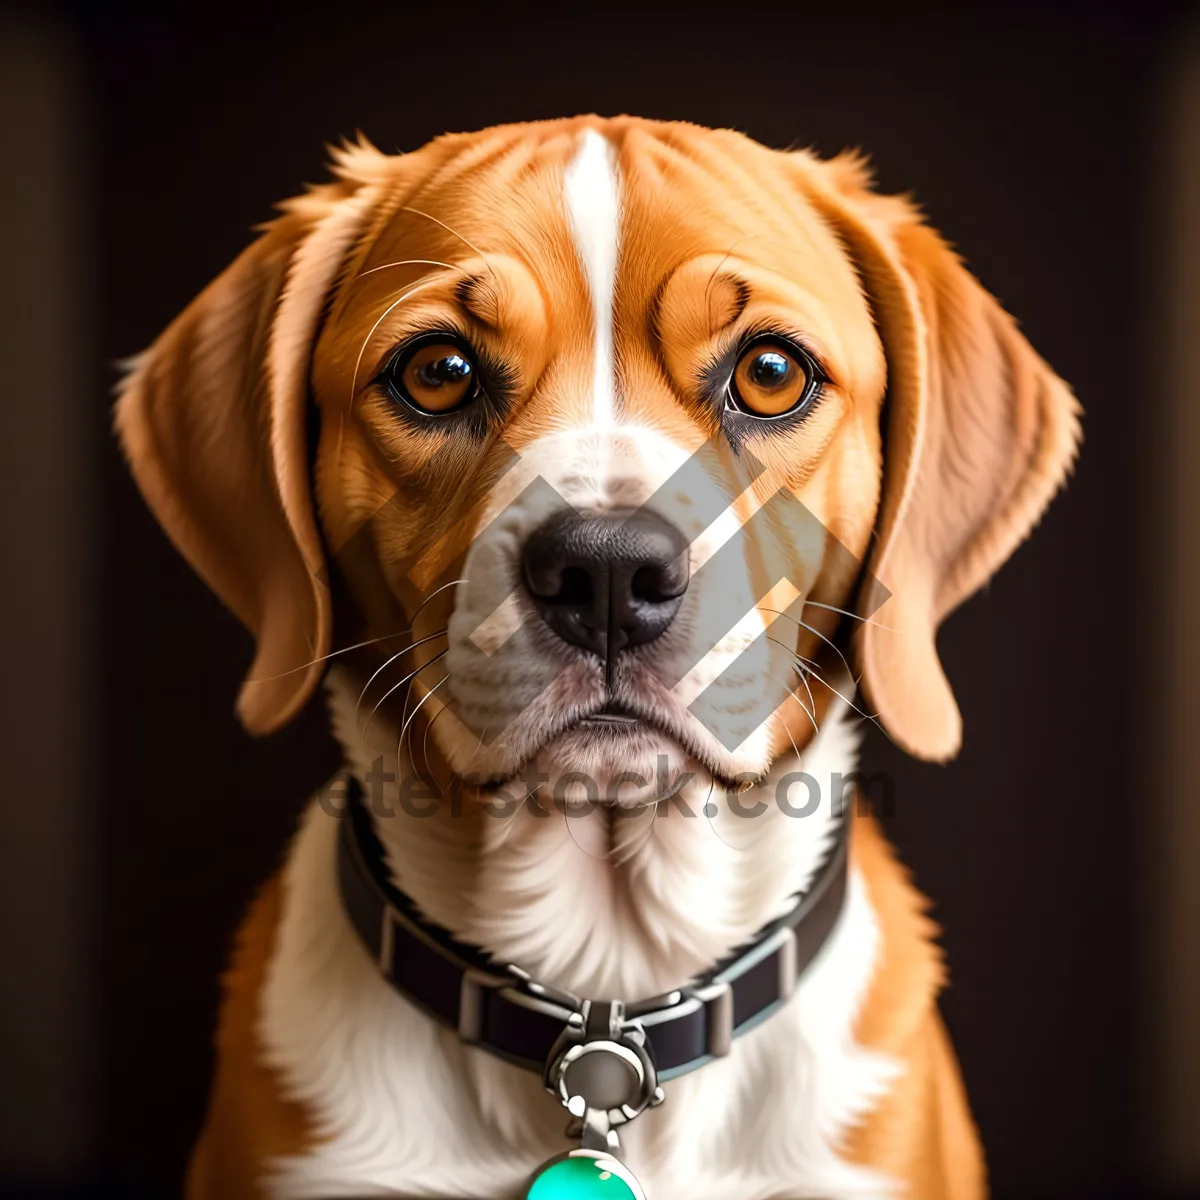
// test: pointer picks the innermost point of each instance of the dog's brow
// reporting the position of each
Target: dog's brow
(480, 296)
(725, 299)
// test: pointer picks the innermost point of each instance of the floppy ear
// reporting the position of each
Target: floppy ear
(979, 435)
(212, 420)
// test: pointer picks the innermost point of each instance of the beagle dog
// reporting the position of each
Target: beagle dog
(609, 473)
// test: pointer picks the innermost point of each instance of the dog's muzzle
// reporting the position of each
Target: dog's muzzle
(606, 582)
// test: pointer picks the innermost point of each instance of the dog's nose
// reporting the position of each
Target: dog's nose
(607, 581)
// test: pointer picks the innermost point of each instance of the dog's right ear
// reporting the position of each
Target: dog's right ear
(212, 420)
(980, 434)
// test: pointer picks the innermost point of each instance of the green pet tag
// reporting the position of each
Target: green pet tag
(585, 1175)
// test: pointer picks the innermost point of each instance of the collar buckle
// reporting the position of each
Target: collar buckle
(600, 1068)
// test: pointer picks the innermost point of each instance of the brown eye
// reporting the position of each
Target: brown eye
(436, 377)
(770, 380)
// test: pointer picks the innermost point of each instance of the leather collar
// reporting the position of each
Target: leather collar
(501, 1009)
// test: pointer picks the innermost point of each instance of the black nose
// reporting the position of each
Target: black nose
(608, 581)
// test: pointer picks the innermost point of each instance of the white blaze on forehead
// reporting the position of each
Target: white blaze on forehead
(593, 196)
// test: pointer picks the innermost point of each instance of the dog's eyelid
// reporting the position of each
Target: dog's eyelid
(442, 328)
(813, 356)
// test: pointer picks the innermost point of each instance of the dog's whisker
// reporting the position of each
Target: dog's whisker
(408, 691)
(811, 717)
(650, 806)
(853, 615)
(408, 262)
(717, 268)
(425, 739)
(396, 687)
(795, 748)
(453, 233)
(806, 667)
(570, 833)
(407, 727)
(811, 713)
(712, 828)
(511, 819)
(812, 710)
(817, 633)
(633, 851)
(831, 608)
(399, 654)
(802, 670)
(416, 613)
(832, 646)
(478, 745)
(436, 591)
(791, 695)
(371, 333)
(610, 855)
(387, 637)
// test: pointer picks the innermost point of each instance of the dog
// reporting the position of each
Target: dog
(642, 461)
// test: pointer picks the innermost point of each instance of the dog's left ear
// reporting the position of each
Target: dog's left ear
(979, 435)
(212, 420)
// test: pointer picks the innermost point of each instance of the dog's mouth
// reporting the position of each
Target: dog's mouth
(613, 717)
(633, 731)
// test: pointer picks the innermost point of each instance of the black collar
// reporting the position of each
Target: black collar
(499, 1008)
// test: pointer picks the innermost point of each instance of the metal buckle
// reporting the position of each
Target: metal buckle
(610, 1077)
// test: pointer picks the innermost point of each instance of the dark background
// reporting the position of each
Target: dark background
(1026, 133)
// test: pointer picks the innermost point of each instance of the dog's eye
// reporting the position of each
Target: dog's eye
(434, 376)
(772, 379)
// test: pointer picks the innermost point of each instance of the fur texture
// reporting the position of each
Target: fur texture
(399, 1105)
(606, 279)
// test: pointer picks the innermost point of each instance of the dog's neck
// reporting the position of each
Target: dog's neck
(600, 904)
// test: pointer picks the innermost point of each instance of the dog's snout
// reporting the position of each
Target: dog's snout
(607, 581)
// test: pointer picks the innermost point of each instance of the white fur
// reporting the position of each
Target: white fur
(593, 197)
(401, 1106)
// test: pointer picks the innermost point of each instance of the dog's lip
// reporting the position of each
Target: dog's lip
(613, 715)
(620, 716)
(617, 718)
(614, 718)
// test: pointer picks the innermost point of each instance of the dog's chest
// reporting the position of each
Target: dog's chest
(401, 1106)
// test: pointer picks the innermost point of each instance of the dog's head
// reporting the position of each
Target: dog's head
(631, 423)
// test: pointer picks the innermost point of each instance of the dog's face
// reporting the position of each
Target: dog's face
(600, 410)
(622, 327)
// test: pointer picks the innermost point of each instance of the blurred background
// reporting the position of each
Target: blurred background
(1058, 146)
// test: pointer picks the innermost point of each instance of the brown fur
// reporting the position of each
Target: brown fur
(979, 433)
(249, 1119)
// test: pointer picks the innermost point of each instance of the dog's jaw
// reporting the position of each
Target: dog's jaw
(399, 1103)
